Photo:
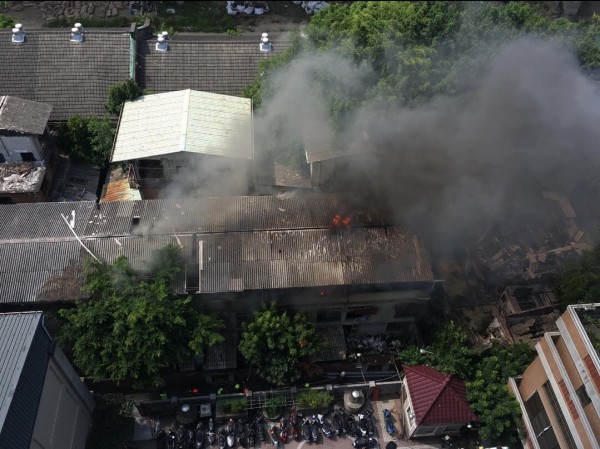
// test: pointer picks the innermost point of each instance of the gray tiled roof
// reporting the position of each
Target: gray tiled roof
(23, 116)
(16, 335)
(74, 78)
(219, 64)
(40, 259)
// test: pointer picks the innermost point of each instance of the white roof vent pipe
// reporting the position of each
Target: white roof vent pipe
(165, 34)
(77, 33)
(18, 35)
(161, 43)
(265, 45)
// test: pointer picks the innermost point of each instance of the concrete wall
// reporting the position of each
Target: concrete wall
(13, 146)
(65, 412)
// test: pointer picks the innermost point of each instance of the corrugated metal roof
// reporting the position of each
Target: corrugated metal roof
(310, 258)
(185, 121)
(16, 334)
(23, 116)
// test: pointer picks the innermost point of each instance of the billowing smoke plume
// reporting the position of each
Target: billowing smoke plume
(531, 122)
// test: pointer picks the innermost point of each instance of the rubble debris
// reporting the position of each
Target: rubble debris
(23, 177)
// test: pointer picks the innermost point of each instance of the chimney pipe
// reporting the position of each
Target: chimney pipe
(265, 45)
(161, 42)
(18, 35)
(77, 33)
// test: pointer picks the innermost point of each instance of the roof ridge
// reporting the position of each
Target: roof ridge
(443, 387)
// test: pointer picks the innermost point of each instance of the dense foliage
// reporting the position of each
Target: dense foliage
(580, 282)
(118, 94)
(498, 411)
(275, 344)
(112, 423)
(420, 49)
(6, 22)
(87, 139)
(133, 327)
(485, 375)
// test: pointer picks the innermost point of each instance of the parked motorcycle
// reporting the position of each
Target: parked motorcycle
(242, 435)
(260, 429)
(171, 439)
(251, 435)
(274, 436)
(230, 433)
(283, 434)
(364, 442)
(362, 425)
(335, 424)
(369, 422)
(352, 426)
(190, 439)
(325, 426)
(343, 421)
(181, 437)
(314, 429)
(306, 434)
(295, 423)
(222, 439)
(199, 435)
(389, 423)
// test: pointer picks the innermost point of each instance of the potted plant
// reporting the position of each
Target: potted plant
(272, 408)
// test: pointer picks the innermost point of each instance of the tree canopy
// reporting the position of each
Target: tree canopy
(421, 49)
(579, 283)
(275, 344)
(134, 327)
(118, 94)
(87, 139)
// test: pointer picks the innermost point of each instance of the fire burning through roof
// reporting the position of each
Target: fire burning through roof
(340, 221)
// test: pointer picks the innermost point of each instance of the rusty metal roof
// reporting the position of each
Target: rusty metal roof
(309, 258)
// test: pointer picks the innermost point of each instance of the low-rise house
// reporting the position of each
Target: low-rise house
(43, 403)
(27, 154)
(196, 141)
(559, 392)
(433, 403)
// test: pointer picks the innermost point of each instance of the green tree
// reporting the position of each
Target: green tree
(275, 344)
(450, 352)
(580, 281)
(118, 94)
(6, 22)
(133, 327)
(498, 411)
(87, 139)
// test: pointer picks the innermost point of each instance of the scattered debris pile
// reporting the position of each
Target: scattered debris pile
(23, 177)
(312, 7)
(53, 10)
(512, 252)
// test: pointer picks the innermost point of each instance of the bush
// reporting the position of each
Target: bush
(87, 139)
(314, 399)
(232, 406)
(118, 94)
(273, 405)
(6, 22)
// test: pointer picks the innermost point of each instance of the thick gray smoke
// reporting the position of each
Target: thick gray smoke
(532, 122)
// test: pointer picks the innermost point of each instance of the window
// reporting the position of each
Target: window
(542, 429)
(562, 423)
(328, 315)
(2, 158)
(583, 396)
(27, 157)
(360, 313)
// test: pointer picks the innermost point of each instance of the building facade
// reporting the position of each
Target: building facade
(559, 393)
(43, 403)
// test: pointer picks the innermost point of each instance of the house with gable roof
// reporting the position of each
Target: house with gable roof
(433, 403)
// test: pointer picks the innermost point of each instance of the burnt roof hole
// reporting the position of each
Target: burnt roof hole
(135, 221)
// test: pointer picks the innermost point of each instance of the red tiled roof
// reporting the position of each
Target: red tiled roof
(437, 398)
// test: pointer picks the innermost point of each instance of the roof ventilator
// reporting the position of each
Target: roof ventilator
(265, 45)
(77, 33)
(18, 35)
(161, 42)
